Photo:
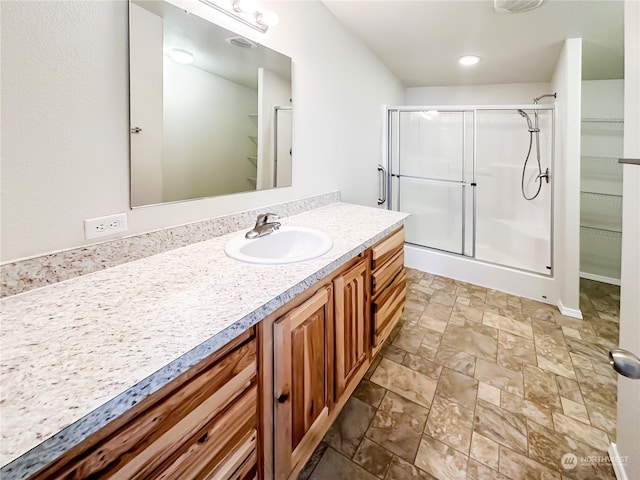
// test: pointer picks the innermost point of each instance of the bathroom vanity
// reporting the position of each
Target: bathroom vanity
(251, 400)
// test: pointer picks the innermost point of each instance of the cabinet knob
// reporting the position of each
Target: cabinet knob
(283, 398)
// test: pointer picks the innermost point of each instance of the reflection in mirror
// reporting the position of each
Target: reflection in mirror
(210, 111)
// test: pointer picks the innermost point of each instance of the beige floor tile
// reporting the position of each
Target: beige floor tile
(571, 332)
(569, 389)
(575, 410)
(398, 425)
(467, 313)
(470, 341)
(513, 351)
(333, 466)
(484, 450)
(440, 460)
(500, 426)
(540, 387)
(585, 433)
(401, 470)
(526, 409)
(432, 323)
(478, 471)
(522, 329)
(369, 393)
(422, 365)
(548, 447)
(450, 423)
(393, 353)
(557, 366)
(444, 298)
(405, 382)
(373, 458)
(347, 431)
(517, 466)
(409, 338)
(500, 377)
(458, 387)
(453, 358)
(489, 393)
(602, 416)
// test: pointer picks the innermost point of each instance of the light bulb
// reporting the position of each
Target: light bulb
(268, 18)
(179, 55)
(247, 6)
(469, 60)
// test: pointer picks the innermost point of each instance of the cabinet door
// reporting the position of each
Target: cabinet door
(352, 326)
(303, 379)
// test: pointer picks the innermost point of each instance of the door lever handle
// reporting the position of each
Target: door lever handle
(625, 363)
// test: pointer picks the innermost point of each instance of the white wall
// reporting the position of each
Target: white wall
(207, 132)
(566, 82)
(476, 94)
(146, 88)
(65, 116)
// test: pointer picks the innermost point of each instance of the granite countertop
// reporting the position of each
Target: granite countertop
(79, 353)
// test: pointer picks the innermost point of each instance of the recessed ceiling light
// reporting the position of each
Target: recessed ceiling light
(181, 56)
(469, 60)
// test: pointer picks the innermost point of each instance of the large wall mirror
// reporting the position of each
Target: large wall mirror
(210, 110)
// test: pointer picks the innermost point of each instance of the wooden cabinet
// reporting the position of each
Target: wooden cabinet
(320, 346)
(352, 327)
(303, 379)
(204, 424)
(388, 287)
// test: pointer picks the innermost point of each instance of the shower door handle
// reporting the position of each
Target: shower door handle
(382, 186)
(625, 363)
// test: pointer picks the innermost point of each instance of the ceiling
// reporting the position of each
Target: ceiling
(212, 53)
(420, 40)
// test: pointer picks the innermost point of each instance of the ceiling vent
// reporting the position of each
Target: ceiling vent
(241, 42)
(516, 6)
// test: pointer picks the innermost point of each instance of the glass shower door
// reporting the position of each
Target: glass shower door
(432, 177)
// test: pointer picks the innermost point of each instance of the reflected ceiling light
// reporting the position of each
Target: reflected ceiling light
(468, 60)
(179, 55)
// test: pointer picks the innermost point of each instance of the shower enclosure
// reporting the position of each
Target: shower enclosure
(460, 172)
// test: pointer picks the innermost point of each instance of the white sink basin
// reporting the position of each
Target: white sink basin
(286, 245)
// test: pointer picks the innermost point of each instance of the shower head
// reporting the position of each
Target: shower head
(524, 115)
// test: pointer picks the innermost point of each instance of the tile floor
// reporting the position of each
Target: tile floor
(477, 384)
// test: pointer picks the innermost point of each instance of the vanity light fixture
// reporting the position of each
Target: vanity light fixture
(246, 12)
(179, 55)
(468, 60)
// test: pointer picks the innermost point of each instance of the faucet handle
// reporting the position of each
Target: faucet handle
(265, 217)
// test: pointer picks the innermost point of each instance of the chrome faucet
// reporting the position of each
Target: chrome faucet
(264, 226)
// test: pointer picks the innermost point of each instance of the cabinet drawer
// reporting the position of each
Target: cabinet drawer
(382, 276)
(387, 248)
(226, 449)
(179, 422)
(387, 309)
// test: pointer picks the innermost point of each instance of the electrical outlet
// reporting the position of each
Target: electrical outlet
(105, 226)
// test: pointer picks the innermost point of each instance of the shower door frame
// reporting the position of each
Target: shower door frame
(473, 109)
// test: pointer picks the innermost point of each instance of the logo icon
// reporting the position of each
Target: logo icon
(569, 461)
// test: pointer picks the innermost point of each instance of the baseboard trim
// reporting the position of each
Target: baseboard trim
(618, 467)
(600, 278)
(569, 312)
